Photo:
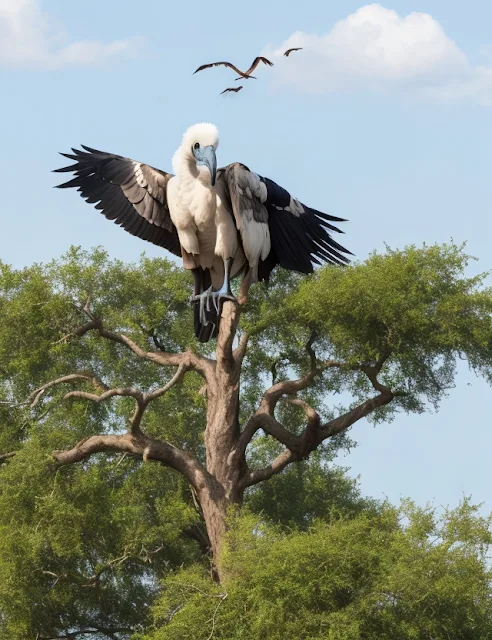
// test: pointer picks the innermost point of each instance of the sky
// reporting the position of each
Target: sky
(384, 118)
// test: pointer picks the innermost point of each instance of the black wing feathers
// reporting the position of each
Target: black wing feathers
(298, 234)
(128, 192)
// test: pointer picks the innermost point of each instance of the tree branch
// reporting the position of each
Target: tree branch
(314, 435)
(270, 425)
(372, 372)
(139, 445)
(337, 425)
(178, 376)
(204, 366)
(36, 395)
(6, 456)
(269, 402)
(259, 475)
(311, 432)
(240, 350)
(111, 393)
(141, 399)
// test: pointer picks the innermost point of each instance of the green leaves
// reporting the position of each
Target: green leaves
(87, 545)
(405, 573)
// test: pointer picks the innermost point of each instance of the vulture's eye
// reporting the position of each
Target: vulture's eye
(197, 145)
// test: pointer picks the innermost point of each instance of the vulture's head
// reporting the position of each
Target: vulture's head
(199, 145)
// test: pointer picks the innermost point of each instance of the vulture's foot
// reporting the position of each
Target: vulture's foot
(211, 300)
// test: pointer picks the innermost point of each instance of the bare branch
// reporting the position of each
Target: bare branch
(6, 456)
(140, 402)
(142, 446)
(178, 376)
(136, 419)
(80, 331)
(337, 425)
(37, 394)
(222, 597)
(290, 387)
(270, 425)
(313, 436)
(201, 364)
(372, 372)
(142, 399)
(311, 432)
(240, 350)
(259, 475)
(111, 393)
(264, 414)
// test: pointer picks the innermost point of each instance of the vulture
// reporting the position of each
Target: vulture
(222, 222)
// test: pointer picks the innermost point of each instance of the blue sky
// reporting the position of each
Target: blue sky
(395, 137)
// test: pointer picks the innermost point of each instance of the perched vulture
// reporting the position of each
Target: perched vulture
(222, 222)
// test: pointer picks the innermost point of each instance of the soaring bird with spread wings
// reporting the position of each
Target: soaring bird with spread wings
(242, 74)
(235, 89)
(222, 222)
(289, 51)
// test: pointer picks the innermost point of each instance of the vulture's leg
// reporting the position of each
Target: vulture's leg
(212, 300)
(224, 293)
(225, 290)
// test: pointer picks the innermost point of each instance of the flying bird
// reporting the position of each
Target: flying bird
(223, 222)
(235, 89)
(242, 74)
(286, 53)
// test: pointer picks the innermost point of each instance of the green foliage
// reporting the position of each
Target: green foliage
(327, 493)
(416, 304)
(81, 547)
(405, 573)
(86, 546)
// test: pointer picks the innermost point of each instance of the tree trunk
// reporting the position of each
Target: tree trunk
(221, 436)
(221, 484)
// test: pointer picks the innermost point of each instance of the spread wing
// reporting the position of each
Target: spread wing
(217, 64)
(276, 228)
(129, 192)
(235, 89)
(256, 62)
(286, 53)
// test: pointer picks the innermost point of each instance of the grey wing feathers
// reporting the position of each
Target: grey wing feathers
(129, 192)
(296, 236)
(243, 193)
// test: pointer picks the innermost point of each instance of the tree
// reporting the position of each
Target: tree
(234, 426)
(406, 573)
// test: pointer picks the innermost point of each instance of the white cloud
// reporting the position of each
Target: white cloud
(29, 38)
(376, 48)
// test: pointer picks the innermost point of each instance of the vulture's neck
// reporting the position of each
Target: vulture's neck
(185, 168)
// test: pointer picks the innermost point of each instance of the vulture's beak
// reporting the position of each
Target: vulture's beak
(206, 156)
